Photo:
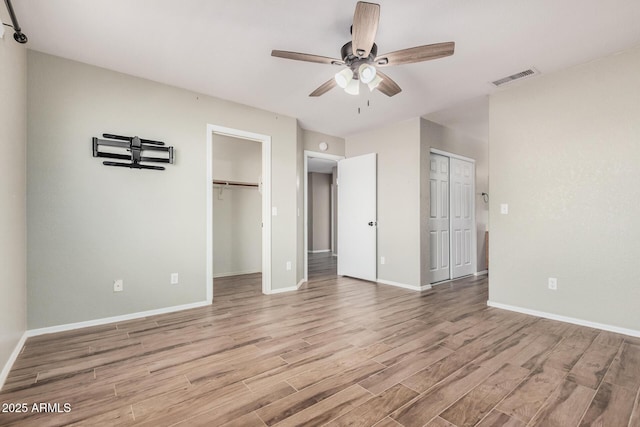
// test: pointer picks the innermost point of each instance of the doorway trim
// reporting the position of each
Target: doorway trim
(305, 207)
(265, 141)
(474, 245)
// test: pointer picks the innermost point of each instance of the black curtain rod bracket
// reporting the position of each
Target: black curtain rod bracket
(18, 35)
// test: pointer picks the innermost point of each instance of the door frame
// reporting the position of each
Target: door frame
(474, 237)
(265, 141)
(305, 189)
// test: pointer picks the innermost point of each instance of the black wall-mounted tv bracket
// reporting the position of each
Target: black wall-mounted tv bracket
(18, 35)
(135, 146)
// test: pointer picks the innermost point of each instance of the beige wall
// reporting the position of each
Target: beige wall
(565, 156)
(13, 142)
(319, 212)
(237, 211)
(312, 140)
(433, 135)
(398, 148)
(89, 224)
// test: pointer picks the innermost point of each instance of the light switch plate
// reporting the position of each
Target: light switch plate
(504, 208)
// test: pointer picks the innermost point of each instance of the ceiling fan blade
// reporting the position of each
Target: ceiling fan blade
(365, 27)
(324, 88)
(388, 86)
(416, 54)
(306, 57)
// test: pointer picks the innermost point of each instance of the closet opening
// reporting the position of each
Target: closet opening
(238, 208)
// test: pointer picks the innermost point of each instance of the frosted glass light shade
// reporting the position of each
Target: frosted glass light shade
(353, 88)
(344, 77)
(367, 73)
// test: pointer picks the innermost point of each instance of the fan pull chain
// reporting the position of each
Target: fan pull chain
(368, 105)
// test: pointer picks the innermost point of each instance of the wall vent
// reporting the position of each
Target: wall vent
(517, 76)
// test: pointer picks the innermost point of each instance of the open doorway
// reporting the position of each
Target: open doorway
(320, 222)
(238, 211)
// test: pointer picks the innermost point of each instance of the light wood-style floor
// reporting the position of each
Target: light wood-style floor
(338, 352)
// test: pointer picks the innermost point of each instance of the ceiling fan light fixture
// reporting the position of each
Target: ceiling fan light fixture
(374, 83)
(344, 77)
(353, 88)
(367, 73)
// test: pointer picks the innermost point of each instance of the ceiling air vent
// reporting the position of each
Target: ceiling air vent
(517, 76)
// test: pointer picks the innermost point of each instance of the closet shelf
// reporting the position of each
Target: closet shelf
(236, 183)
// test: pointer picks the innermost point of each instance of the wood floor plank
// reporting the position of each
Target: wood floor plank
(231, 411)
(248, 420)
(392, 375)
(302, 358)
(565, 407)
(179, 405)
(565, 355)
(308, 397)
(328, 409)
(439, 422)
(529, 396)
(430, 404)
(609, 338)
(427, 378)
(498, 419)
(635, 414)
(625, 369)
(611, 406)
(376, 409)
(476, 404)
(593, 365)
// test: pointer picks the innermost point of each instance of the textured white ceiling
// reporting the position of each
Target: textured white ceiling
(222, 48)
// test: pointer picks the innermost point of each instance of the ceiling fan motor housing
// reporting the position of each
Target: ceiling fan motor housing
(354, 61)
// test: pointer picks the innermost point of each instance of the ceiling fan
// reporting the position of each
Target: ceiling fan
(360, 56)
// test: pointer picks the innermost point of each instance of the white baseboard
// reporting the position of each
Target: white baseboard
(444, 282)
(559, 318)
(320, 251)
(235, 273)
(283, 290)
(12, 359)
(300, 283)
(403, 285)
(114, 319)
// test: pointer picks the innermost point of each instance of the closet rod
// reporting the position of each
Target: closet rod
(235, 183)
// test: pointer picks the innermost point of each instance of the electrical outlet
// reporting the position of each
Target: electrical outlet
(504, 208)
(118, 285)
(288, 265)
(553, 283)
(174, 278)
(382, 260)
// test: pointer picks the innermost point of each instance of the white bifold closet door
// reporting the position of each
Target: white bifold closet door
(451, 218)
(462, 217)
(439, 218)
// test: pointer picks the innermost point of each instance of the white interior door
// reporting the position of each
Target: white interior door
(357, 219)
(462, 217)
(439, 218)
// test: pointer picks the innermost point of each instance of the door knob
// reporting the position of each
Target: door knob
(372, 223)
